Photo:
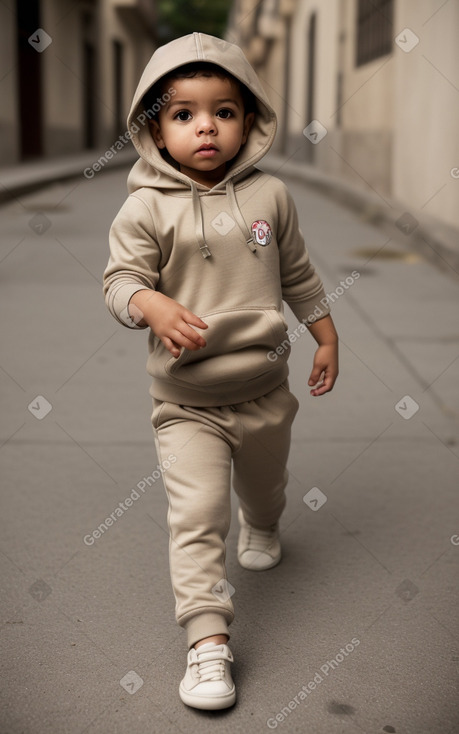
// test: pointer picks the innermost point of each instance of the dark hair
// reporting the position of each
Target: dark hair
(191, 70)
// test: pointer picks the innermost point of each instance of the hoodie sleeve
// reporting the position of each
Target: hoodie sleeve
(134, 259)
(302, 287)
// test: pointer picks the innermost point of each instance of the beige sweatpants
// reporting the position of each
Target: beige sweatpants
(253, 437)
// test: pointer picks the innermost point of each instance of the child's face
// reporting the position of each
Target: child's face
(203, 126)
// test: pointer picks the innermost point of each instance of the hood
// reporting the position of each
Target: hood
(152, 170)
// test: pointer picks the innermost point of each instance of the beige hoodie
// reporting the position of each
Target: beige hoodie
(230, 254)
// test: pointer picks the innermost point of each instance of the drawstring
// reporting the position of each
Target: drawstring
(238, 216)
(198, 219)
(205, 252)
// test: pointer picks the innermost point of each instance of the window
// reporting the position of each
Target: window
(374, 29)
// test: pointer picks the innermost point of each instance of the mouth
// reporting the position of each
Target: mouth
(207, 150)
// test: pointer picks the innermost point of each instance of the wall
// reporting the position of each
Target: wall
(61, 74)
(426, 110)
(9, 134)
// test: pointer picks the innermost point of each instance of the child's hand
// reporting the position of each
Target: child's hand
(325, 369)
(170, 321)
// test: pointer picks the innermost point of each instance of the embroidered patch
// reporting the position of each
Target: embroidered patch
(262, 232)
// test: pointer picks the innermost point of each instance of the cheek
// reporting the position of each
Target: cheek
(170, 137)
(179, 140)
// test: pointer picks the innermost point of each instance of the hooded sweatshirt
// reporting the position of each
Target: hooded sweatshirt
(231, 254)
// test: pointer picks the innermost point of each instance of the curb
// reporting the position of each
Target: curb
(436, 241)
(25, 178)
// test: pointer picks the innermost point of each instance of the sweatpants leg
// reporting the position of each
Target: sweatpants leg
(260, 465)
(202, 442)
(198, 490)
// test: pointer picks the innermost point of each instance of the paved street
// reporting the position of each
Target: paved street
(357, 629)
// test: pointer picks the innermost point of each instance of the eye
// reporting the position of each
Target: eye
(225, 114)
(183, 116)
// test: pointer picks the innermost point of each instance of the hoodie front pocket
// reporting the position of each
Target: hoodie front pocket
(242, 344)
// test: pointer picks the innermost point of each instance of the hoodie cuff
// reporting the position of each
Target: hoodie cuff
(308, 312)
(118, 303)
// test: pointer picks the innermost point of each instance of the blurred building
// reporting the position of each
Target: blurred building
(382, 79)
(69, 70)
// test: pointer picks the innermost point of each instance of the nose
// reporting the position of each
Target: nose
(206, 125)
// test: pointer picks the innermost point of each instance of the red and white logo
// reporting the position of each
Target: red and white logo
(262, 232)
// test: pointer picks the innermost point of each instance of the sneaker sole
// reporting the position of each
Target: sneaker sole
(265, 568)
(208, 703)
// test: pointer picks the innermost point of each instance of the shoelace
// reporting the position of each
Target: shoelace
(211, 670)
(261, 540)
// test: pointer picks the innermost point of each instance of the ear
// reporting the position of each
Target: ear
(248, 122)
(155, 131)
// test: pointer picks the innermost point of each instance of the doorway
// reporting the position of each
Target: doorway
(29, 81)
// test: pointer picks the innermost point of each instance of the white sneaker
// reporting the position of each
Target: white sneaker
(207, 683)
(258, 549)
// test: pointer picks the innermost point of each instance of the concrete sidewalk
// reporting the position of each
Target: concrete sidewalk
(26, 177)
(356, 630)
